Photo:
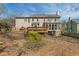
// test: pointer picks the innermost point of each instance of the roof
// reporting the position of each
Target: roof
(41, 16)
(75, 20)
(45, 15)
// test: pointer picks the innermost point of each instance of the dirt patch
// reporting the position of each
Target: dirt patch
(52, 46)
(57, 47)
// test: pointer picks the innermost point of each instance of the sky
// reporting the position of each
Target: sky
(65, 10)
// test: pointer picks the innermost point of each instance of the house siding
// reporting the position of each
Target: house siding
(22, 23)
(77, 28)
(38, 22)
(27, 22)
(74, 27)
(69, 26)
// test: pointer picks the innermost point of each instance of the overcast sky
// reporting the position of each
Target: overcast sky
(64, 10)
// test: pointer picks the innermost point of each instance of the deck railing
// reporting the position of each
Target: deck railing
(38, 29)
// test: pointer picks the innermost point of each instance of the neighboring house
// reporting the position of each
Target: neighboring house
(51, 21)
(73, 26)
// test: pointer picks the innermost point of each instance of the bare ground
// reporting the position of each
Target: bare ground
(57, 46)
(53, 46)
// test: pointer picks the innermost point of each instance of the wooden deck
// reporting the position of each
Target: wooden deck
(38, 29)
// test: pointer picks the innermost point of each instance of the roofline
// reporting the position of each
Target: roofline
(36, 17)
(75, 21)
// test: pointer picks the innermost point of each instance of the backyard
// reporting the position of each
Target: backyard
(12, 44)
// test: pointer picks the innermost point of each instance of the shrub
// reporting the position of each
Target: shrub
(34, 36)
(33, 40)
(4, 26)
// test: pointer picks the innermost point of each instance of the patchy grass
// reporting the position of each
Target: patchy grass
(57, 46)
(50, 45)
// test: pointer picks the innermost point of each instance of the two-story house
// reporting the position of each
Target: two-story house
(50, 21)
(73, 26)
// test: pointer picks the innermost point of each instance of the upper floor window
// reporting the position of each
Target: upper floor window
(55, 19)
(44, 19)
(28, 20)
(55, 26)
(52, 26)
(38, 25)
(49, 26)
(37, 19)
(32, 25)
(49, 20)
(32, 19)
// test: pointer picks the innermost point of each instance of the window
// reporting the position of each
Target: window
(55, 27)
(44, 25)
(32, 19)
(55, 19)
(38, 25)
(49, 26)
(44, 19)
(37, 19)
(28, 20)
(49, 20)
(52, 26)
